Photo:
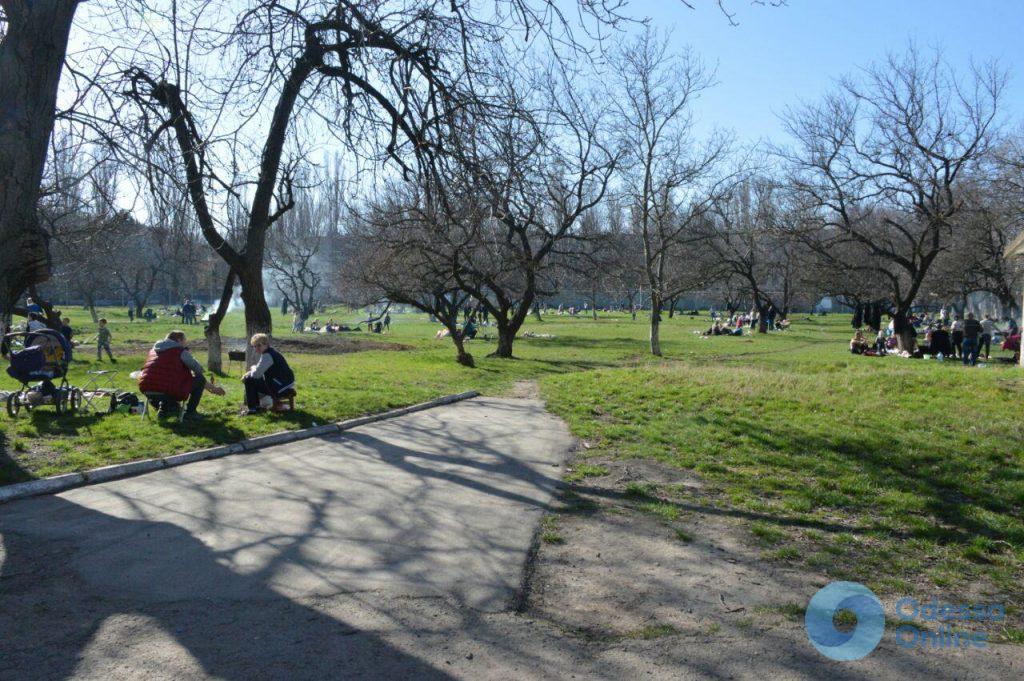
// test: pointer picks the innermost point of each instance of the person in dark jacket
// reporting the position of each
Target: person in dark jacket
(65, 329)
(972, 334)
(271, 375)
(171, 375)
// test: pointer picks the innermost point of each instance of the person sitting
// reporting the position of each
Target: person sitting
(881, 342)
(271, 375)
(858, 344)
(940, 343)
(315, 325)
(469, 330)
(171, 375)
(35, 322)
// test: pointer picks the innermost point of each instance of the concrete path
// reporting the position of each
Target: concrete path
(291, 562)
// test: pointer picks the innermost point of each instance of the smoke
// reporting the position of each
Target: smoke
(236, 301)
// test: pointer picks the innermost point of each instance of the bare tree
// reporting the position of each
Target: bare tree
(753, 244)
(401, 249)
(294, 252)
(536, 167)
(883, 162)
(669, 178)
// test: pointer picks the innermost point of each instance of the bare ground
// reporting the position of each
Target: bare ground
(701, 603)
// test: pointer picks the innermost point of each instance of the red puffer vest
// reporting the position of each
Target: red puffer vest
(164, 373)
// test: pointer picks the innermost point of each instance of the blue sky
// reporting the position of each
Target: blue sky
(779, 56)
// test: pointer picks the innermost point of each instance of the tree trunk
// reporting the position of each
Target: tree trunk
(762, 318)
(505, 338)
(31, 58)
(90, 304)
(904, 334)
(212, 330)
(655, 326)
(462, 357)
(214, 354)
(257, 312)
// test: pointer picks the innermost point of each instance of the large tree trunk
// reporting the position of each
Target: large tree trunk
(505, 338)
(257, 312)
(31, 57)
(762, 318)
(904, 332)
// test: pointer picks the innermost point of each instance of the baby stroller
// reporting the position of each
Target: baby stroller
(45, 356)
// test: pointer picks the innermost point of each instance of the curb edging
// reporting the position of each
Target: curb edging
(66, 481)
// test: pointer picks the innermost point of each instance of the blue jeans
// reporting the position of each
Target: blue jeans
(970, 351)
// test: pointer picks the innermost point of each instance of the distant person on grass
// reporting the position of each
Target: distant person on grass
(859, 344)
(988, 329)
(956, 336)
(174, 375)
(103, 342)
(972, 334)
(271, 375)
(66, 330)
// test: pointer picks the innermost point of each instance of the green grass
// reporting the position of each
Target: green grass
(901, 474)
(549, 530)
(582, 471)
(897, 473)
(650, 632)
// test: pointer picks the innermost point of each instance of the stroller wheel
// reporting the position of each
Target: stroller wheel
(75, 400)
(60, 401)
(14, 404)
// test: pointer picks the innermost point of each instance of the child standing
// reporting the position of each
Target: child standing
(103, 342)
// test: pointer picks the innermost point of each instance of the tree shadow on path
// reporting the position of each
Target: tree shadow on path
(56, 595)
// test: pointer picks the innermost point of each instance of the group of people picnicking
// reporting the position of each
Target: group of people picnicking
(734, 324)
(380, 325)
(945, 335)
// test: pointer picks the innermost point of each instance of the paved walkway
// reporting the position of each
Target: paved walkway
(226, 567)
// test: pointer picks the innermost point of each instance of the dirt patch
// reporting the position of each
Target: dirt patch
(620, 571)
(525, 390)
(626, 571)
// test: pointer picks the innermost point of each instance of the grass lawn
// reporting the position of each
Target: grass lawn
(902, 474)
(905, 475)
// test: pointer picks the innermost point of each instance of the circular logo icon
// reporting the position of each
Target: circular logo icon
(845, 645)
